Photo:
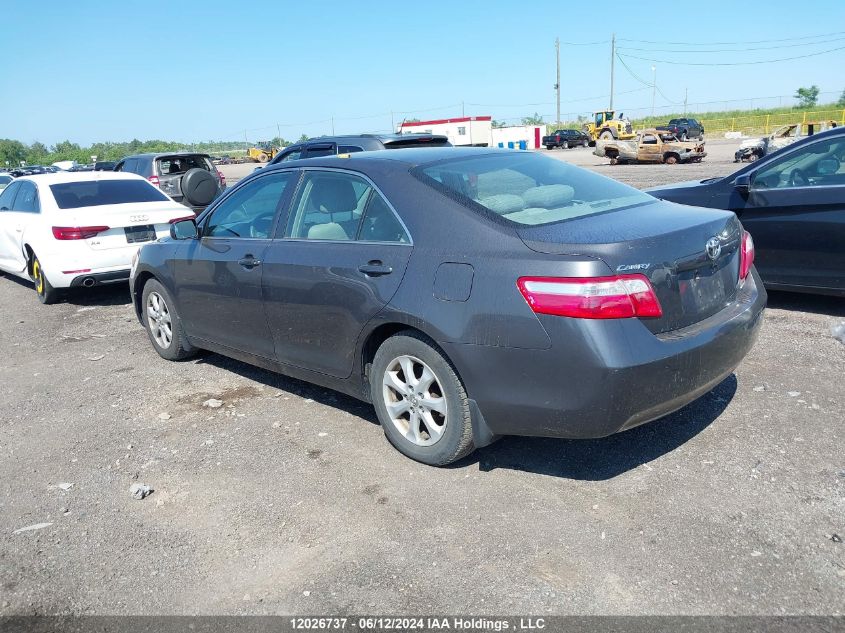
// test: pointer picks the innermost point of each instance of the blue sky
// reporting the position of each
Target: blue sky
(111, 70)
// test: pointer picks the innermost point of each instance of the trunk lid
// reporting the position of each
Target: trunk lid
(665, 242)
(129, 224)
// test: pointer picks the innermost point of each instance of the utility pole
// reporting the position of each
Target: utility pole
(685, 101)
(279, 130)
(653, 87)
(557, 83)
(612, 64)
(463, 112)
(332, 125)
(392, 124)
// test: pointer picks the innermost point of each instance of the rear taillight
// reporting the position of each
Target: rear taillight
(746, 255)
(221, 177)
(154, 181)
(618, 297)
(77, 232)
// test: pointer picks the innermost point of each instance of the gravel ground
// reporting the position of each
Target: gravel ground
(288, 499)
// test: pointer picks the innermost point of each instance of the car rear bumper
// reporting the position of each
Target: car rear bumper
(87, 280)
(605, 376)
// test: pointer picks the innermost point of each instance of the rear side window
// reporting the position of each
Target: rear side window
(7, 198)
(320, 150)
(27, 199)
(528, 189)
(129, 165)
(94, 193)
(349, 149)
(5, 180)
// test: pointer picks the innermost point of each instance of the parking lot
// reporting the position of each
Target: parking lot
(288, 499)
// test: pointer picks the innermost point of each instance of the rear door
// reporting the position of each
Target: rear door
(795, 211)
(342, 257)
(9, 235)
(218, 276)
(25, 210)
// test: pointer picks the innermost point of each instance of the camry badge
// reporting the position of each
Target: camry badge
(713, 248)
(138, 218)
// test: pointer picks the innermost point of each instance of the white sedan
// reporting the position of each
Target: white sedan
(74, 229)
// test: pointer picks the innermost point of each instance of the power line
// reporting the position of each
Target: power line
(729, 50)
(779, 39)
(752, 63)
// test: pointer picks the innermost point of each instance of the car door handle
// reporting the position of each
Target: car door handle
(375, 268)
(249, 262)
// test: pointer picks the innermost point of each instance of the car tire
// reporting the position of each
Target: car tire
(671, 159)
(606, 135)
(199, 187)
(752, 158)
(43, 288)
(565, 145)
(585, 143)
(443, 432)
(549, 147)
(162, 322)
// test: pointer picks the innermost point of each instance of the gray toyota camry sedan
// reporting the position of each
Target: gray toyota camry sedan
(466, 293)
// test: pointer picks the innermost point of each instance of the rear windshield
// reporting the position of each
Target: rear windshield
(94, 193)
(529, 189)
(180, 164)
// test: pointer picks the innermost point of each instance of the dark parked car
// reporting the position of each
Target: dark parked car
(188, 178)
(566, 139)
(466, 293)
(792, 203)
(684, 129)
(105, 165)
(348, 144)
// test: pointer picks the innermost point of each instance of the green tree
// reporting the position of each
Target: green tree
(496, 123)
(12, 152)
(841, 102)
(537, 119)
(303, 138)
(807, 97)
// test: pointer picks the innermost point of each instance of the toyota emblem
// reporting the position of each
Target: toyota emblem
(713, 248)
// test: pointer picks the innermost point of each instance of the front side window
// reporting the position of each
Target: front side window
(27, 199)
(293, 154)
(249, 212)
(527, 188)
(819, 163)
(94, 193)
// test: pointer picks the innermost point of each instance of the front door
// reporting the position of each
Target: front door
(795, 212)
(219, 275)
(342, 258)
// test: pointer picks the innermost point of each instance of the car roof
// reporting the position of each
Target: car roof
(411, 157)
(78, 176)
(378, 137)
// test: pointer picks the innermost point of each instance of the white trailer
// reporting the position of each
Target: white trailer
(470, 130)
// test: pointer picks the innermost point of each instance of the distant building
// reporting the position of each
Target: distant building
(478, 131)
(470, 130)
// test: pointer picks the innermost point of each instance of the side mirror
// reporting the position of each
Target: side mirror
(184, 230)
(742, 183)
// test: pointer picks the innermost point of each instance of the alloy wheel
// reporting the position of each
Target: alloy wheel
(414, 400)
(158, 318)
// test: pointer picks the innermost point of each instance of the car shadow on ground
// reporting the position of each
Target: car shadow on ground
(801, 302)
(110, 295)
(589, 460)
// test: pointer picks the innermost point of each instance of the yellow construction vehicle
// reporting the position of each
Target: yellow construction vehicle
(606, 126)
(262, 152)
